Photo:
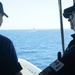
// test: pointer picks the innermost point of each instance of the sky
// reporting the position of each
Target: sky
(34, 14)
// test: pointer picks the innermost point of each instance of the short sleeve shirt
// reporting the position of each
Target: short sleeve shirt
(9, 64)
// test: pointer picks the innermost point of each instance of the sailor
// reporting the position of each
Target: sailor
(66, 63)
(9, 64)
(69, 13)
(69, 54)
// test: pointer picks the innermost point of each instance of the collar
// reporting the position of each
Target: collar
(73, 36)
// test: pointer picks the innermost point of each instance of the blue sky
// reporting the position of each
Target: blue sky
(33, 14)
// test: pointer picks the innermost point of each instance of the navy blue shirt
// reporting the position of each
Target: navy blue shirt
(9, 64)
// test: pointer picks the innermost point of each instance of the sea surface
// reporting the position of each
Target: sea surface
(39, 47)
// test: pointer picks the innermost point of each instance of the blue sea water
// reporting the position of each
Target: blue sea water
(40, 47)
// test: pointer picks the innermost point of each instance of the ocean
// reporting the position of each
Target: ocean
(39, 47)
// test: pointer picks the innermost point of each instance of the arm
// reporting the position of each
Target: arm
(11, 60)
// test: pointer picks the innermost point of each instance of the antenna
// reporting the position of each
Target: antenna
(61, 24)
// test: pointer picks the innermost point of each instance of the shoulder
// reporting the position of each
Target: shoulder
(5, 43)
(4, 39)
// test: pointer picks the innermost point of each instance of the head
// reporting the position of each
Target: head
(69, 13)
(2, 13)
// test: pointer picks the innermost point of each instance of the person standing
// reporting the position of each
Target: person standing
(9, 64)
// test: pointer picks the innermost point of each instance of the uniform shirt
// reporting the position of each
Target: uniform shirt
(72, 43)
(9, 64)
(69, 59)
